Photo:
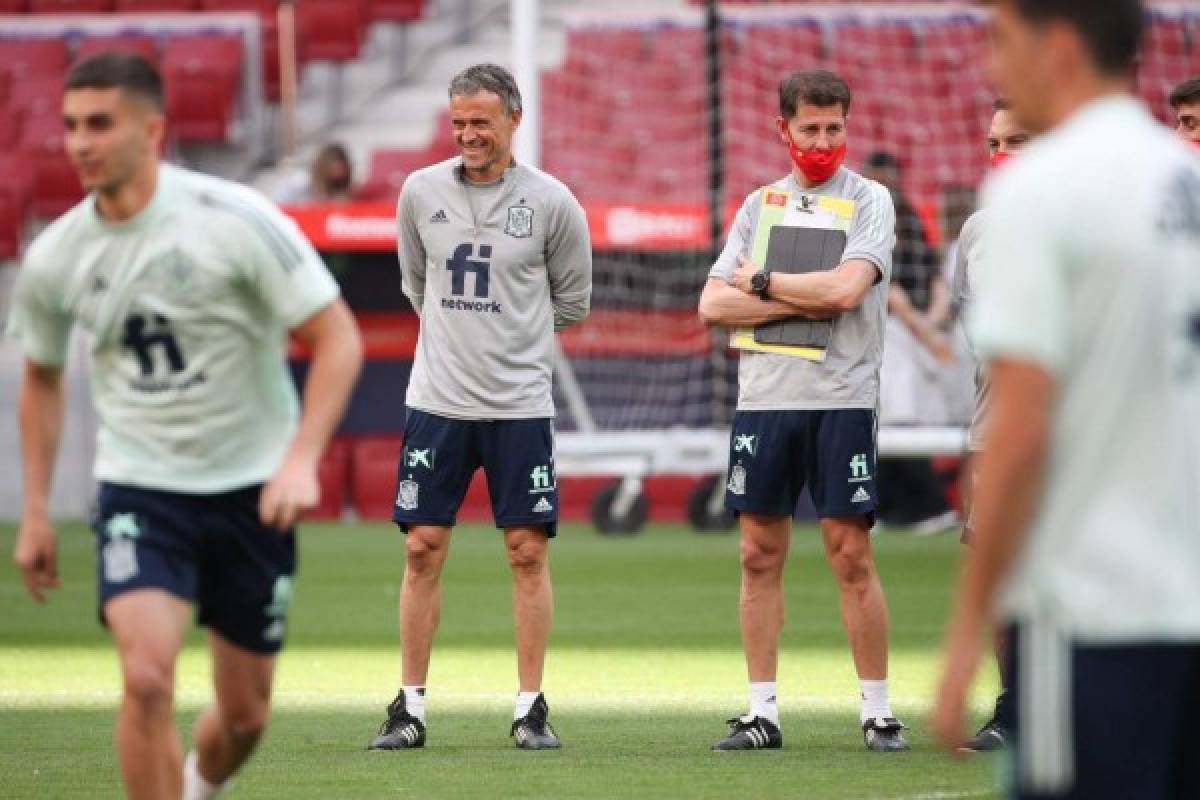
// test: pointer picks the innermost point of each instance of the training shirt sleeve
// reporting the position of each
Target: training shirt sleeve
(1020, 308)
(410, 250)
(873, 231)
(737, 243)
(37, 318)
(282, 267)
(569, 263)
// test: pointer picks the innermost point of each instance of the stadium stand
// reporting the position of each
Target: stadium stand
(201, 77)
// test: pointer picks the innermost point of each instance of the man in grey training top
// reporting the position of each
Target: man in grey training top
(806, 422)
(495, 257)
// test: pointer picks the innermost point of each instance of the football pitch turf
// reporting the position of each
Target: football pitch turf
(645, 665)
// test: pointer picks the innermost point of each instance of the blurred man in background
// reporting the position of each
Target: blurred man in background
(1185, 102)
(1006, 136)
(1086, 520)
(330, 179)
(918, 353)
(187, 286)
(801, 422)
(495, 257)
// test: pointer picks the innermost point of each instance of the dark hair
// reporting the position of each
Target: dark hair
(1185, 93)
(488, 78)
(817, 87)
(1111, 30)
(882, 159)
(1001, 104)
(118, 70)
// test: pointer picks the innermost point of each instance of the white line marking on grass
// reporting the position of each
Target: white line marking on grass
(947, 795)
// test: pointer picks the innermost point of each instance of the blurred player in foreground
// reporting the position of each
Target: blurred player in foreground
(801, 422)
(495, 257)
(186, 286)
(1086, 516)
(1005, 137)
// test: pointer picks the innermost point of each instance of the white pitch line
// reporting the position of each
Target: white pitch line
(947, 795)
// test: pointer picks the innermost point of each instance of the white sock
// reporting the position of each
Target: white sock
(874, 700)
(414, 701)
(194, 785)
(524, 703)
(763, 701)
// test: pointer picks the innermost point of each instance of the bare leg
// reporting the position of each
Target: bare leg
(227, 732)
(765, 542)
(425, 550)
(533, 601)
(864, 609)
(148, 626)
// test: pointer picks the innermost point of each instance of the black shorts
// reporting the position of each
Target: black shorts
(210, 550)
(1124, 728)
(440, 457)
(773, 455)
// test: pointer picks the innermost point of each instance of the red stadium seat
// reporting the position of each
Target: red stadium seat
(15, 194)
(395, 10)
(23, 58)
(373, 476)
(333, 475)
(70, 6)
(55, 185)
(201, 75)
(265, 8)
(144, 46)
(332, 30)
(37, 96)
(157, 5)
(13, 6)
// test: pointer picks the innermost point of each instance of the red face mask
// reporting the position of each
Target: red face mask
(817, 165)
(1000, 157)
(1195, 143)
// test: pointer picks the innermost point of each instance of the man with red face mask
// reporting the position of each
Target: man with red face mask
(804, 422)
(1185, 102)
(1006, 136)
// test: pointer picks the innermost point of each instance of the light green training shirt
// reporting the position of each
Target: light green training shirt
(187, 307)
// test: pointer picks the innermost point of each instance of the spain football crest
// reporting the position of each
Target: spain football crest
(406, 495)
(520, 222)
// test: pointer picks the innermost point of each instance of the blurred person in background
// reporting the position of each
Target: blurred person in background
(1006, 136)
(330, 179)
(917, 352)
(1185, 102)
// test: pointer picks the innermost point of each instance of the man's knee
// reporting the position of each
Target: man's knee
(424, 553)
(246, 719)
(762, 557)
(850, 557)
(527, 556)
(149, 682)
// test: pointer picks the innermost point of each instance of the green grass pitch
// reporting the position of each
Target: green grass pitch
(645, 665)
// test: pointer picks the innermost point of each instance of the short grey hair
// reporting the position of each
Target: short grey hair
(491, 78)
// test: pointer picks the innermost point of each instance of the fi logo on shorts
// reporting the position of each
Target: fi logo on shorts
(541, 479)
(119, 554)
(860, 468)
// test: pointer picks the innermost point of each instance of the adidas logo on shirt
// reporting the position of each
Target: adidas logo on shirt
(542, 506)
(861, 496)
(439, 216)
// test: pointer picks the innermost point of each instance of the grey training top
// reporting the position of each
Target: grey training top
(962, 295)
(849, 375)
(493, 270)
